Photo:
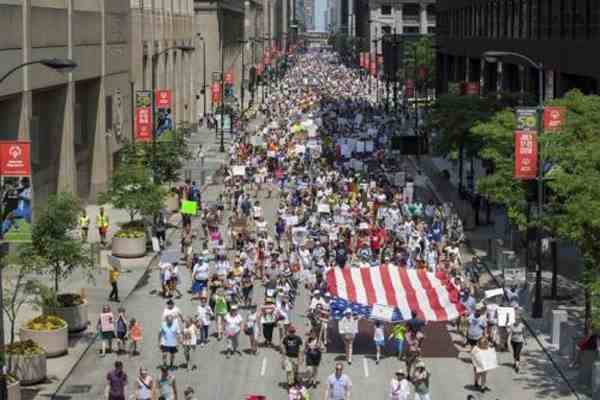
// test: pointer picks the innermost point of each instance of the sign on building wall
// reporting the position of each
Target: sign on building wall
(143, 115)
(15, 172)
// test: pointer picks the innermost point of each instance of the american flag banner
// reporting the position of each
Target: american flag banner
(430, 295)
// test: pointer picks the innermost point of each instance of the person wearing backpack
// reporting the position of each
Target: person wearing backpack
(122, 330)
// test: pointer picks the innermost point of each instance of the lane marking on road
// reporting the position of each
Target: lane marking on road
(263, 369)
(366, 367)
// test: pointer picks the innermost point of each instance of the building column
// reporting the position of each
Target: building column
(100, 155)
(467, 69)
(500, 76)
(398, 19)
(482, 77)
(67, 170)
(423, 22)
(350, 20)
(26, 95)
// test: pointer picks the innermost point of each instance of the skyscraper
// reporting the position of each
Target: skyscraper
(309, 15)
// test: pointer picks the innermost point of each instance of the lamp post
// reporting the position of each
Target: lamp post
(203, 70)
(243, 42)
(185, 49)
(60, 65)
(493, 56)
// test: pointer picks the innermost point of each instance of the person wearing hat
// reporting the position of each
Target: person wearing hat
(420, 381)
(291, 351)
(399, 386)
(348, 328)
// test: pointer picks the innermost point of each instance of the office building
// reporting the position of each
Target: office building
(562, 35)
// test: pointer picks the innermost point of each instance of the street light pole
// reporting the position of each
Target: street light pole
(61, 65)
(203, 71)
(243, 42)
(538, 306)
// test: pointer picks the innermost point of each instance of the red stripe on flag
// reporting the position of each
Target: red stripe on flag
(386, 279)
(434, 302)
(411, 296)
(368, 285)
(332, 283)
(350, 289)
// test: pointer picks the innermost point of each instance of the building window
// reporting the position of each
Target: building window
(431, 30)
(594, 19)
(386, 9)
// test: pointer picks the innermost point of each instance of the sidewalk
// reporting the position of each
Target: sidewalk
(543, 359)
(133, 273)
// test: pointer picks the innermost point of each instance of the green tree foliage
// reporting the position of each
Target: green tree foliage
(54, 250)
(420, 53)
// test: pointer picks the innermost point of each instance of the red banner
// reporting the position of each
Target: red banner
(163, 98)
(15, 158)
(409, 91)
(526, 164)
(422, 72)
(362, 60)
(554, 118)
(410, 84)
(229, 78)
(143, 124)
(216, 92)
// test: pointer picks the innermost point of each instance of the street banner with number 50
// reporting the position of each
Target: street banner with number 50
(526, 162)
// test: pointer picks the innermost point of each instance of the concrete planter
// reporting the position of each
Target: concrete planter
(172, 202)
(76, 317)
(55, 343)
(14, 391)
(129, 247)
(28, 369)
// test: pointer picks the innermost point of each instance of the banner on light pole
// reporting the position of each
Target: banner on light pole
(526, 161)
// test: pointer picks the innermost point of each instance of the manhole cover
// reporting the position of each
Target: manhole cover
(78, 389)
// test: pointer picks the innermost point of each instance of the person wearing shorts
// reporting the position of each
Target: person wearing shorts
(348, 327)
(168, 338)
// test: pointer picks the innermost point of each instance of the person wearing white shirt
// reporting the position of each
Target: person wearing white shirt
(399, 386)
(203, 316)
(348, 328)
(173, 311)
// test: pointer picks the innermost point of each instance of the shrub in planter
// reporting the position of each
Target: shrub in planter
(130, 241)
(27, 362)
(70, 307)
(49, 332)
(12, 386)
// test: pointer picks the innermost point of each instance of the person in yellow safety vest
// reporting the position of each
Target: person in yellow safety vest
(102, 223)
(84, 225)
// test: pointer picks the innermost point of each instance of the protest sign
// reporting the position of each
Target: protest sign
(360, 147)
(493, 293)
(485, 360)
(369, 146)
(382, 313)
(324, 208)
(238, 170)
(189, 207)
(506, 316)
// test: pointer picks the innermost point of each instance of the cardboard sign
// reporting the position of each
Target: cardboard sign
(485, 360)
(107, 323)
(369, 146)
(292, 220)
(238, 170)
(382, 313)
(189, 207)
(506, 316)
(360, 147)
(156, 245)
(15, 158)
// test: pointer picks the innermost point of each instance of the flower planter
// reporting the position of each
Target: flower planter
(55, 342)
(76, 317)
(29, 369)
(129, 247)
(172, 202)
(14, 391)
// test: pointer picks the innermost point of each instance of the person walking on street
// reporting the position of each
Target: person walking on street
(413, 351)
(84, 225)
(168, 338)
(420, 381)
(339, 385)
(167, 387)
(348, 327)
(312, 358)
(203, 318)
(480, 376)
(113, 277)
(122, 330)
(251, 330)
(188, 394)
(102, 222)
(379, 340)
(233, 326)
(399, 386)
(291, 352)
(517, 336)
(190, 338)
(398, 334)
(116, 388)
(144, 386)
(106, 328)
